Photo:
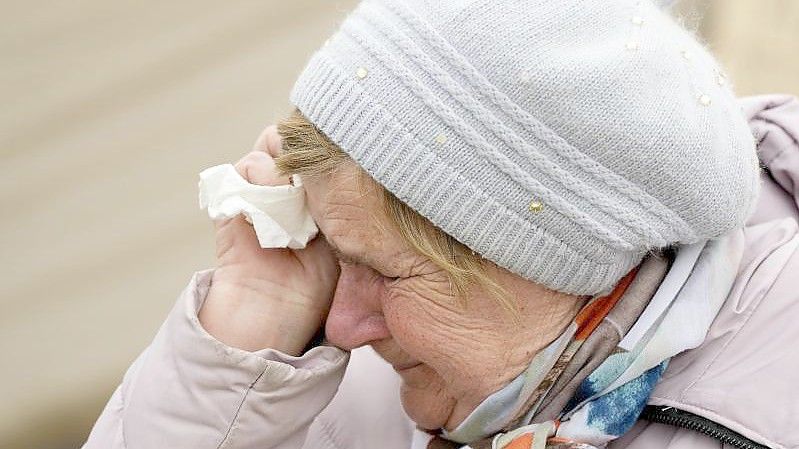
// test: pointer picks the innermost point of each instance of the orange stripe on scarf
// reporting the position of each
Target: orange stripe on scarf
(593, 314)
(524, 441)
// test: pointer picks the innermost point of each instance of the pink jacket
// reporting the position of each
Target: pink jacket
(188, 390)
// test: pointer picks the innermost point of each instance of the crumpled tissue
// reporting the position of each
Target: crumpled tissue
(278, 214)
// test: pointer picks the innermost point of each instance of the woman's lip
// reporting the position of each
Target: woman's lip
(406, 366)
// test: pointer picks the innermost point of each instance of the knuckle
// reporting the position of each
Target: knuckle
(273, 140)
(252, 160)
(256, 157)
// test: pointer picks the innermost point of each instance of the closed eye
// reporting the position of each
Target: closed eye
(348, 260)
(353, 260)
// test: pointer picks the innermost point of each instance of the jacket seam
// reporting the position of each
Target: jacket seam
(124, 393)
(228, 434)
(327, 428)
(124, 404)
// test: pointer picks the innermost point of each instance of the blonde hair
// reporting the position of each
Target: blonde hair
(308, 152)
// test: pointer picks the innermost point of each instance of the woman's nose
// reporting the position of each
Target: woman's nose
(356, 317)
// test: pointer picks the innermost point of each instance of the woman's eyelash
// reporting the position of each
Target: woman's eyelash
(342, 259)
(346, 259)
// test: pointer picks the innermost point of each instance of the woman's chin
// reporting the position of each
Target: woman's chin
(427, 409)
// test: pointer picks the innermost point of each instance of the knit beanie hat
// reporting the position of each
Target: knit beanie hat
(562, 140)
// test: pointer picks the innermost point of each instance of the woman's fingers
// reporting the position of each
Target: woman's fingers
(234, 236)
(269, 141)
(258, 167)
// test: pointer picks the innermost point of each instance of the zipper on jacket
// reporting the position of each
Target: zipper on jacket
(686, 420)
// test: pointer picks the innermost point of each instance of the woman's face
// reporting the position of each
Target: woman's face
(450, 354)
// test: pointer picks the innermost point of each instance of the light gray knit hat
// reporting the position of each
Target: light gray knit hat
(561, 140)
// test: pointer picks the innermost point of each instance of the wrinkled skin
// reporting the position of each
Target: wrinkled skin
(450, 354)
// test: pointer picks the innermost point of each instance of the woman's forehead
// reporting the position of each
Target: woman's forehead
(348, 207)
(350, 196)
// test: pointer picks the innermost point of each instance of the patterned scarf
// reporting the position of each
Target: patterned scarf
(589, 386)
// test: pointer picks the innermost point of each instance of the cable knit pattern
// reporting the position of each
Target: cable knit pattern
(561, 140)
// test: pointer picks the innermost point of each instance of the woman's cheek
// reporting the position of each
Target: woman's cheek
(396, 305)
(414, 319)
(404, 315)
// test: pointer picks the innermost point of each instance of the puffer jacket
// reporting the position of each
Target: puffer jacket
(737, 389)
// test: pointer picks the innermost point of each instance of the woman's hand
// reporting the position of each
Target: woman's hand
(267, 298)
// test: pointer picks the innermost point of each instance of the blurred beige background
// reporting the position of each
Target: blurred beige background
(110, 109)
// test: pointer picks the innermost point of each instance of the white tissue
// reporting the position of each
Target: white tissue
(278, 213)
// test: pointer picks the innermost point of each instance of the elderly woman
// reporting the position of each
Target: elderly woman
(538, 227)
